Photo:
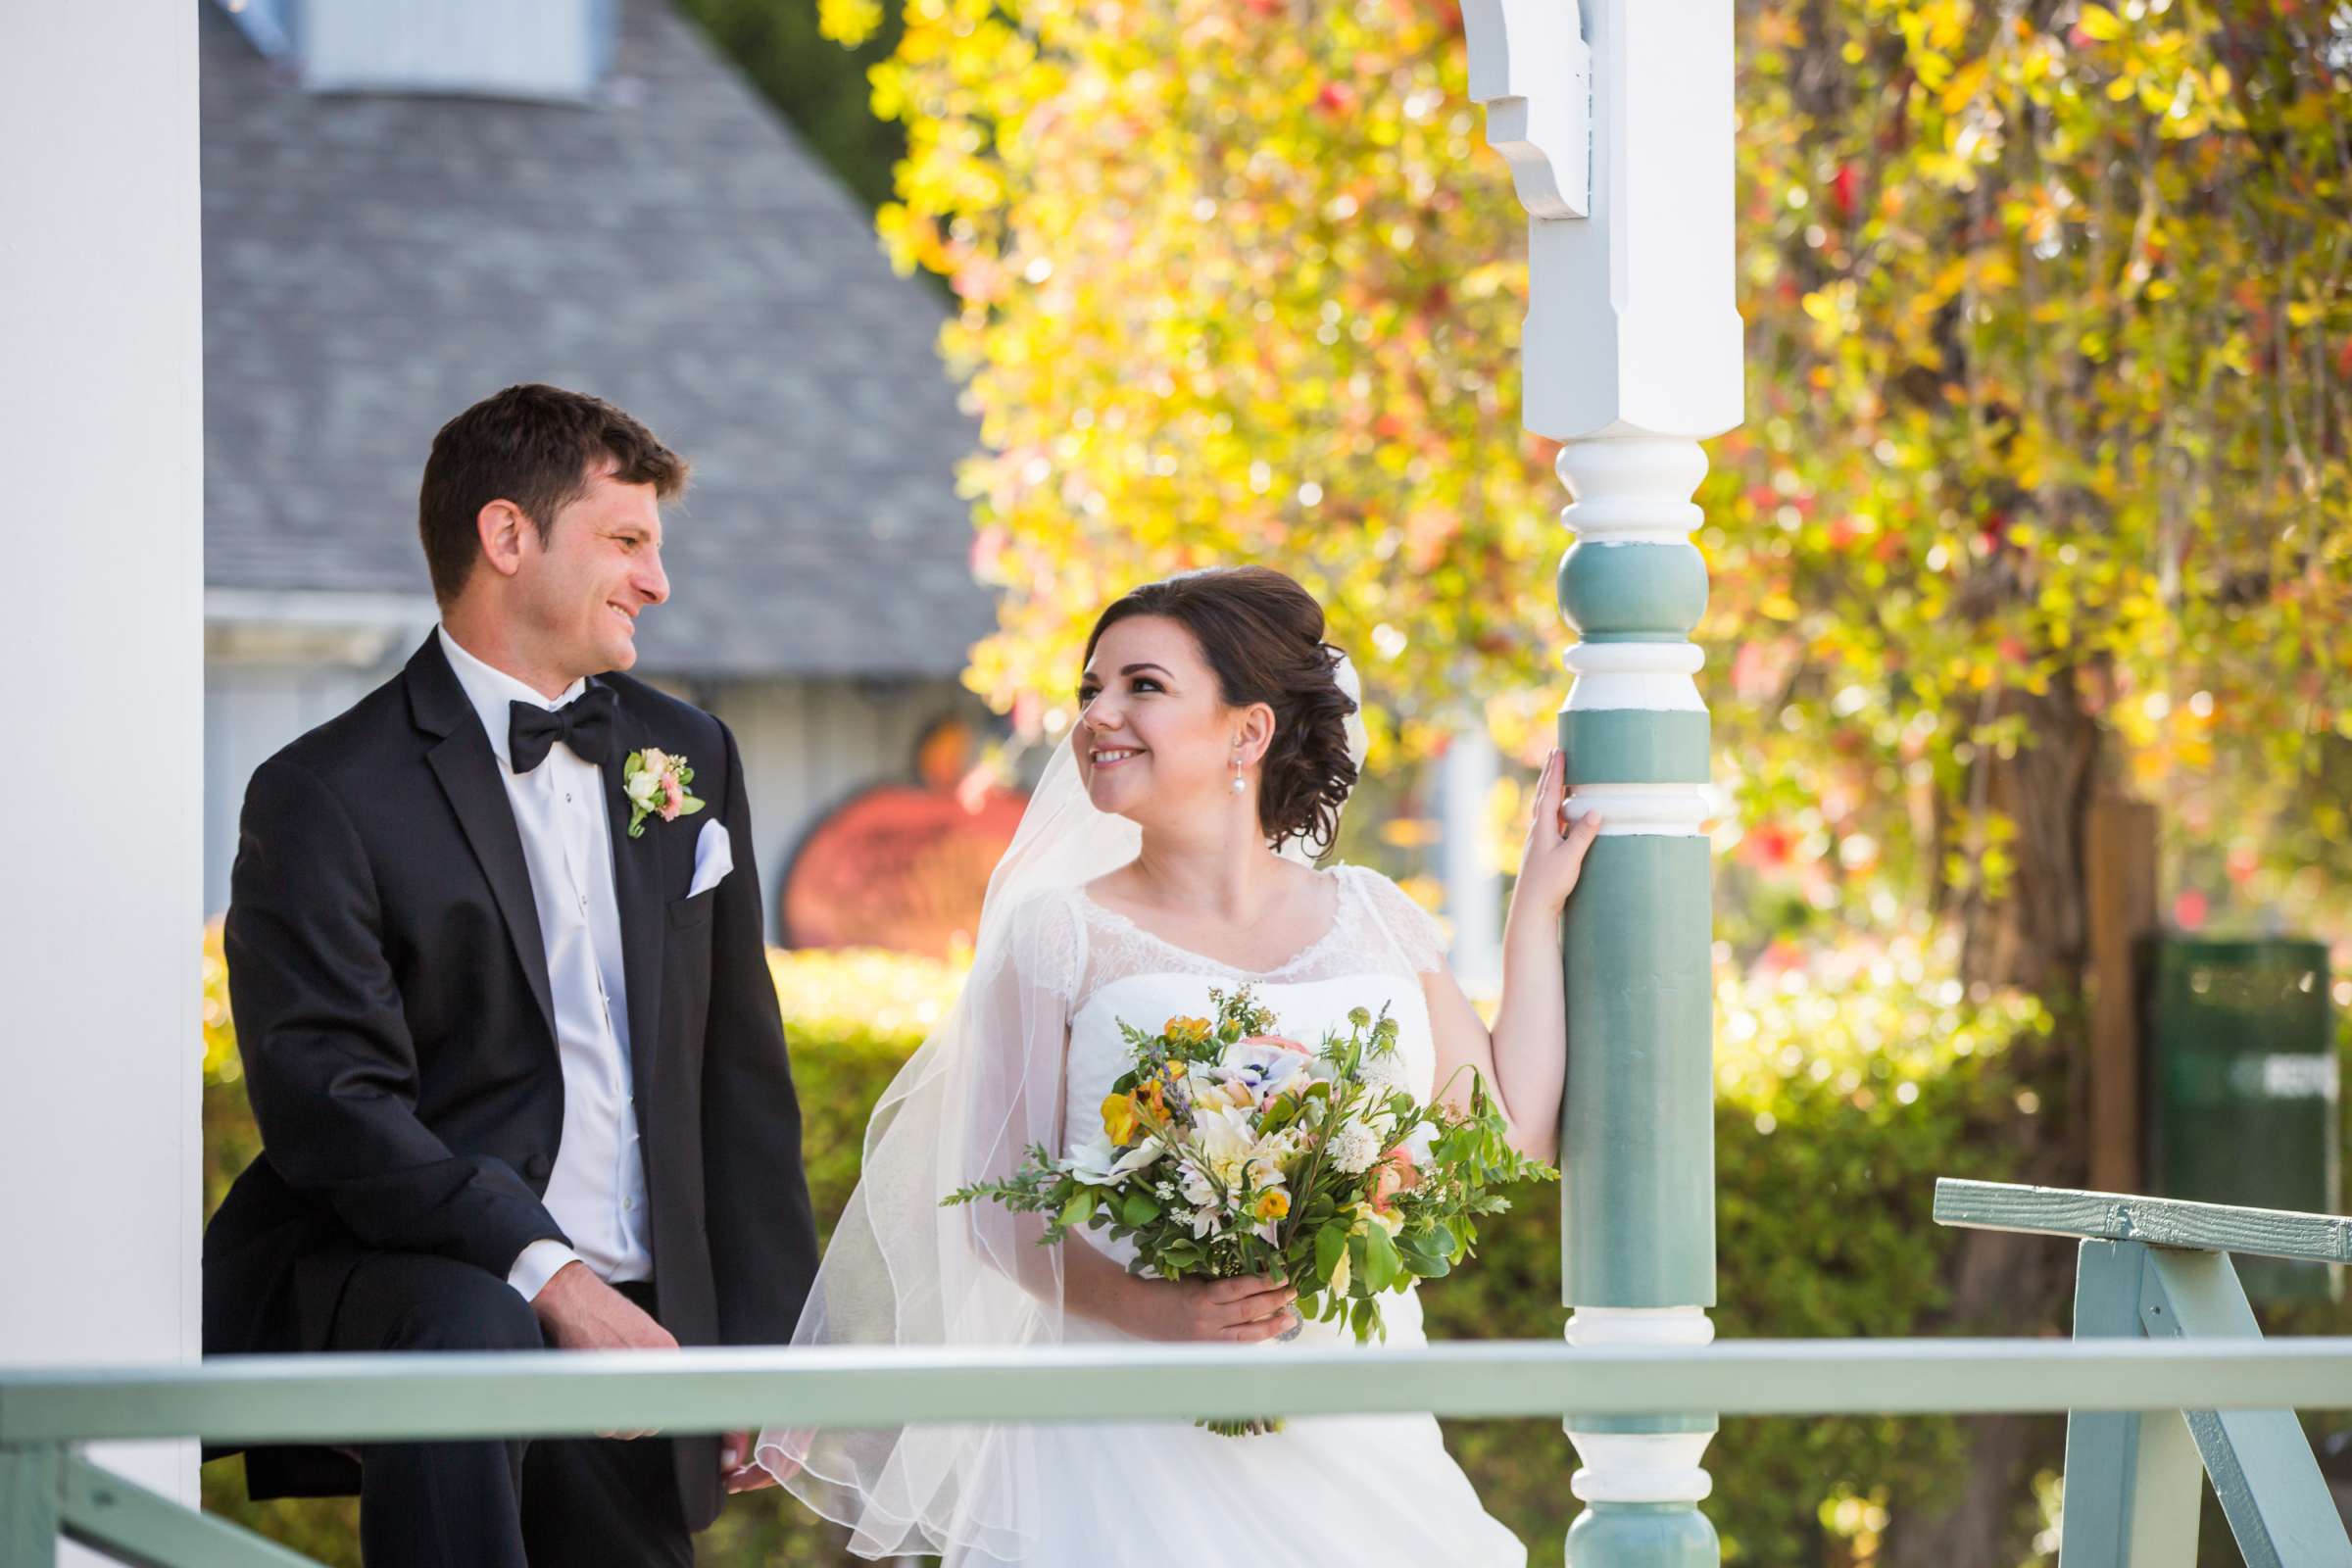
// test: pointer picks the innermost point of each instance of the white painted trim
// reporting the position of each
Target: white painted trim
(1673, 810)
(1640, 1466)
(319, 606)
(1639, 1325)
(1529, 64)
(1648, 678)
(1631, 487)
(101, 1155)
(1625, 659)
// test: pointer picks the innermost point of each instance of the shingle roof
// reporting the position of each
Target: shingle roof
(375, 263)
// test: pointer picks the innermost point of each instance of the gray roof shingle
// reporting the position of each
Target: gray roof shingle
(375, 263)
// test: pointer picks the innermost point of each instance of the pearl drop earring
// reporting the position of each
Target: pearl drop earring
(1240, 785)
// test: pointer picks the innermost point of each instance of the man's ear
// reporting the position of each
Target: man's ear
(499, 526)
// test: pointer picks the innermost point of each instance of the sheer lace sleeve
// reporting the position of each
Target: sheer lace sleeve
(1412, 931)
(1048, 945)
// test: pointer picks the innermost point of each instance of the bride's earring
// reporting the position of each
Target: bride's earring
(1240, 785)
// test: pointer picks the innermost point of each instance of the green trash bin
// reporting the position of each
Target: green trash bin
(2242, 1079)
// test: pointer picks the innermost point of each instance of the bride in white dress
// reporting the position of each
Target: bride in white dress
(1215, 733)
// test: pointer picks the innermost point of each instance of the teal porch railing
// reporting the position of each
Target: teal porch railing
(2156, 1270)
(2240, 1384)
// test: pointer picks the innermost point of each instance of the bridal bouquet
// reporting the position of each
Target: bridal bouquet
(1229, 1151)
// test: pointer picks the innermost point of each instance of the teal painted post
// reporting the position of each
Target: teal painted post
(2132, 1479)
(2262, 1466)
(29, 1497)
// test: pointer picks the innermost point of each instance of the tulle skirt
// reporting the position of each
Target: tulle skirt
(1368, 1491)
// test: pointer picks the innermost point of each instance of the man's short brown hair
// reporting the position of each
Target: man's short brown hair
(535, 446)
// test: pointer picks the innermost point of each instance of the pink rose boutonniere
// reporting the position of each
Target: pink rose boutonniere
(655, 783)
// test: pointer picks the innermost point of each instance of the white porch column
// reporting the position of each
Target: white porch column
(101, 393)
(1618, 126)
(1466, 779)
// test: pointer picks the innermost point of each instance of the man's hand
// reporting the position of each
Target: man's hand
(581, 1313)
(736, 1466)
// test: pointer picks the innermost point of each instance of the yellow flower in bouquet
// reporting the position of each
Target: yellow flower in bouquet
(1118, 1117)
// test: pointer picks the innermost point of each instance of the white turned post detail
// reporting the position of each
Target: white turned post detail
(1632, 492)
(1640, 1466)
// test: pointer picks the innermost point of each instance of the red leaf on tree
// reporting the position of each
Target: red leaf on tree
(1770, 845)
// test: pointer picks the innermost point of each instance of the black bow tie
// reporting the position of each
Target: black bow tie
(585, 725)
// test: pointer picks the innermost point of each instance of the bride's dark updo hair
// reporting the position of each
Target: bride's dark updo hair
(1263, 636)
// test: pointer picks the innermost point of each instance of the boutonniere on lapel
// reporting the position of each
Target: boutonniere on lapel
(656, 785)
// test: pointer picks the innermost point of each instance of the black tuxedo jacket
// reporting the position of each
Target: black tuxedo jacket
(390, 991)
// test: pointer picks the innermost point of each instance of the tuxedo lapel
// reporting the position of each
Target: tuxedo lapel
(468, 773)
(640, 890)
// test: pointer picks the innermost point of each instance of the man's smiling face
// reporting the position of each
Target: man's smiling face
(599, 569)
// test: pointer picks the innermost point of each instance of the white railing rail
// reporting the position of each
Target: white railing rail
(2168, 1378)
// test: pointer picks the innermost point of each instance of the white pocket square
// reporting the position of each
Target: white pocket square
(713, 858)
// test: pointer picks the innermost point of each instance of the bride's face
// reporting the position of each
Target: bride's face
(1154, 737)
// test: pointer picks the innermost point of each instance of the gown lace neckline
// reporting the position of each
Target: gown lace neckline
(1297, 961)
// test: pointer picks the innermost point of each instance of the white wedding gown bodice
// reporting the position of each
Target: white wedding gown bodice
(1363, 1491)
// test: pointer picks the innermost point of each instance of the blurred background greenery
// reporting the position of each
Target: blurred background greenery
(1843, 1093)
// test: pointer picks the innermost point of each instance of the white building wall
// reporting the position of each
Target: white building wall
(250, 711)
(100, 300)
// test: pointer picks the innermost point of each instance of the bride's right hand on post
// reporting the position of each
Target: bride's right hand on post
(1243, 1310)
(1555, 846)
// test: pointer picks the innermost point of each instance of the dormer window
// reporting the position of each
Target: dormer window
(534, 49)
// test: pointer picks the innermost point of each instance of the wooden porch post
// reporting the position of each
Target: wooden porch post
(1618, 126)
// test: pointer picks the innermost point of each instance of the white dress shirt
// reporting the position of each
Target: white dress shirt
(596, 1189)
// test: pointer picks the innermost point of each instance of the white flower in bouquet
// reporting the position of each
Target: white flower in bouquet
(1099, 1162)
(1354, 1148)
(1266, 1066)
(1384, 1072)
(1230, 1149)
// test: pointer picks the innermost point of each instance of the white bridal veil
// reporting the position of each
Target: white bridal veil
(901, 1270)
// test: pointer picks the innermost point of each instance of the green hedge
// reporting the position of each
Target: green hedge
(1843, 1090)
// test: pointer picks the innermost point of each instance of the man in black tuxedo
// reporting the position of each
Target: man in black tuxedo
(495, 956)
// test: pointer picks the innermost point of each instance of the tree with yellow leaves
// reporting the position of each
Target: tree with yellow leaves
(2050, 348)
